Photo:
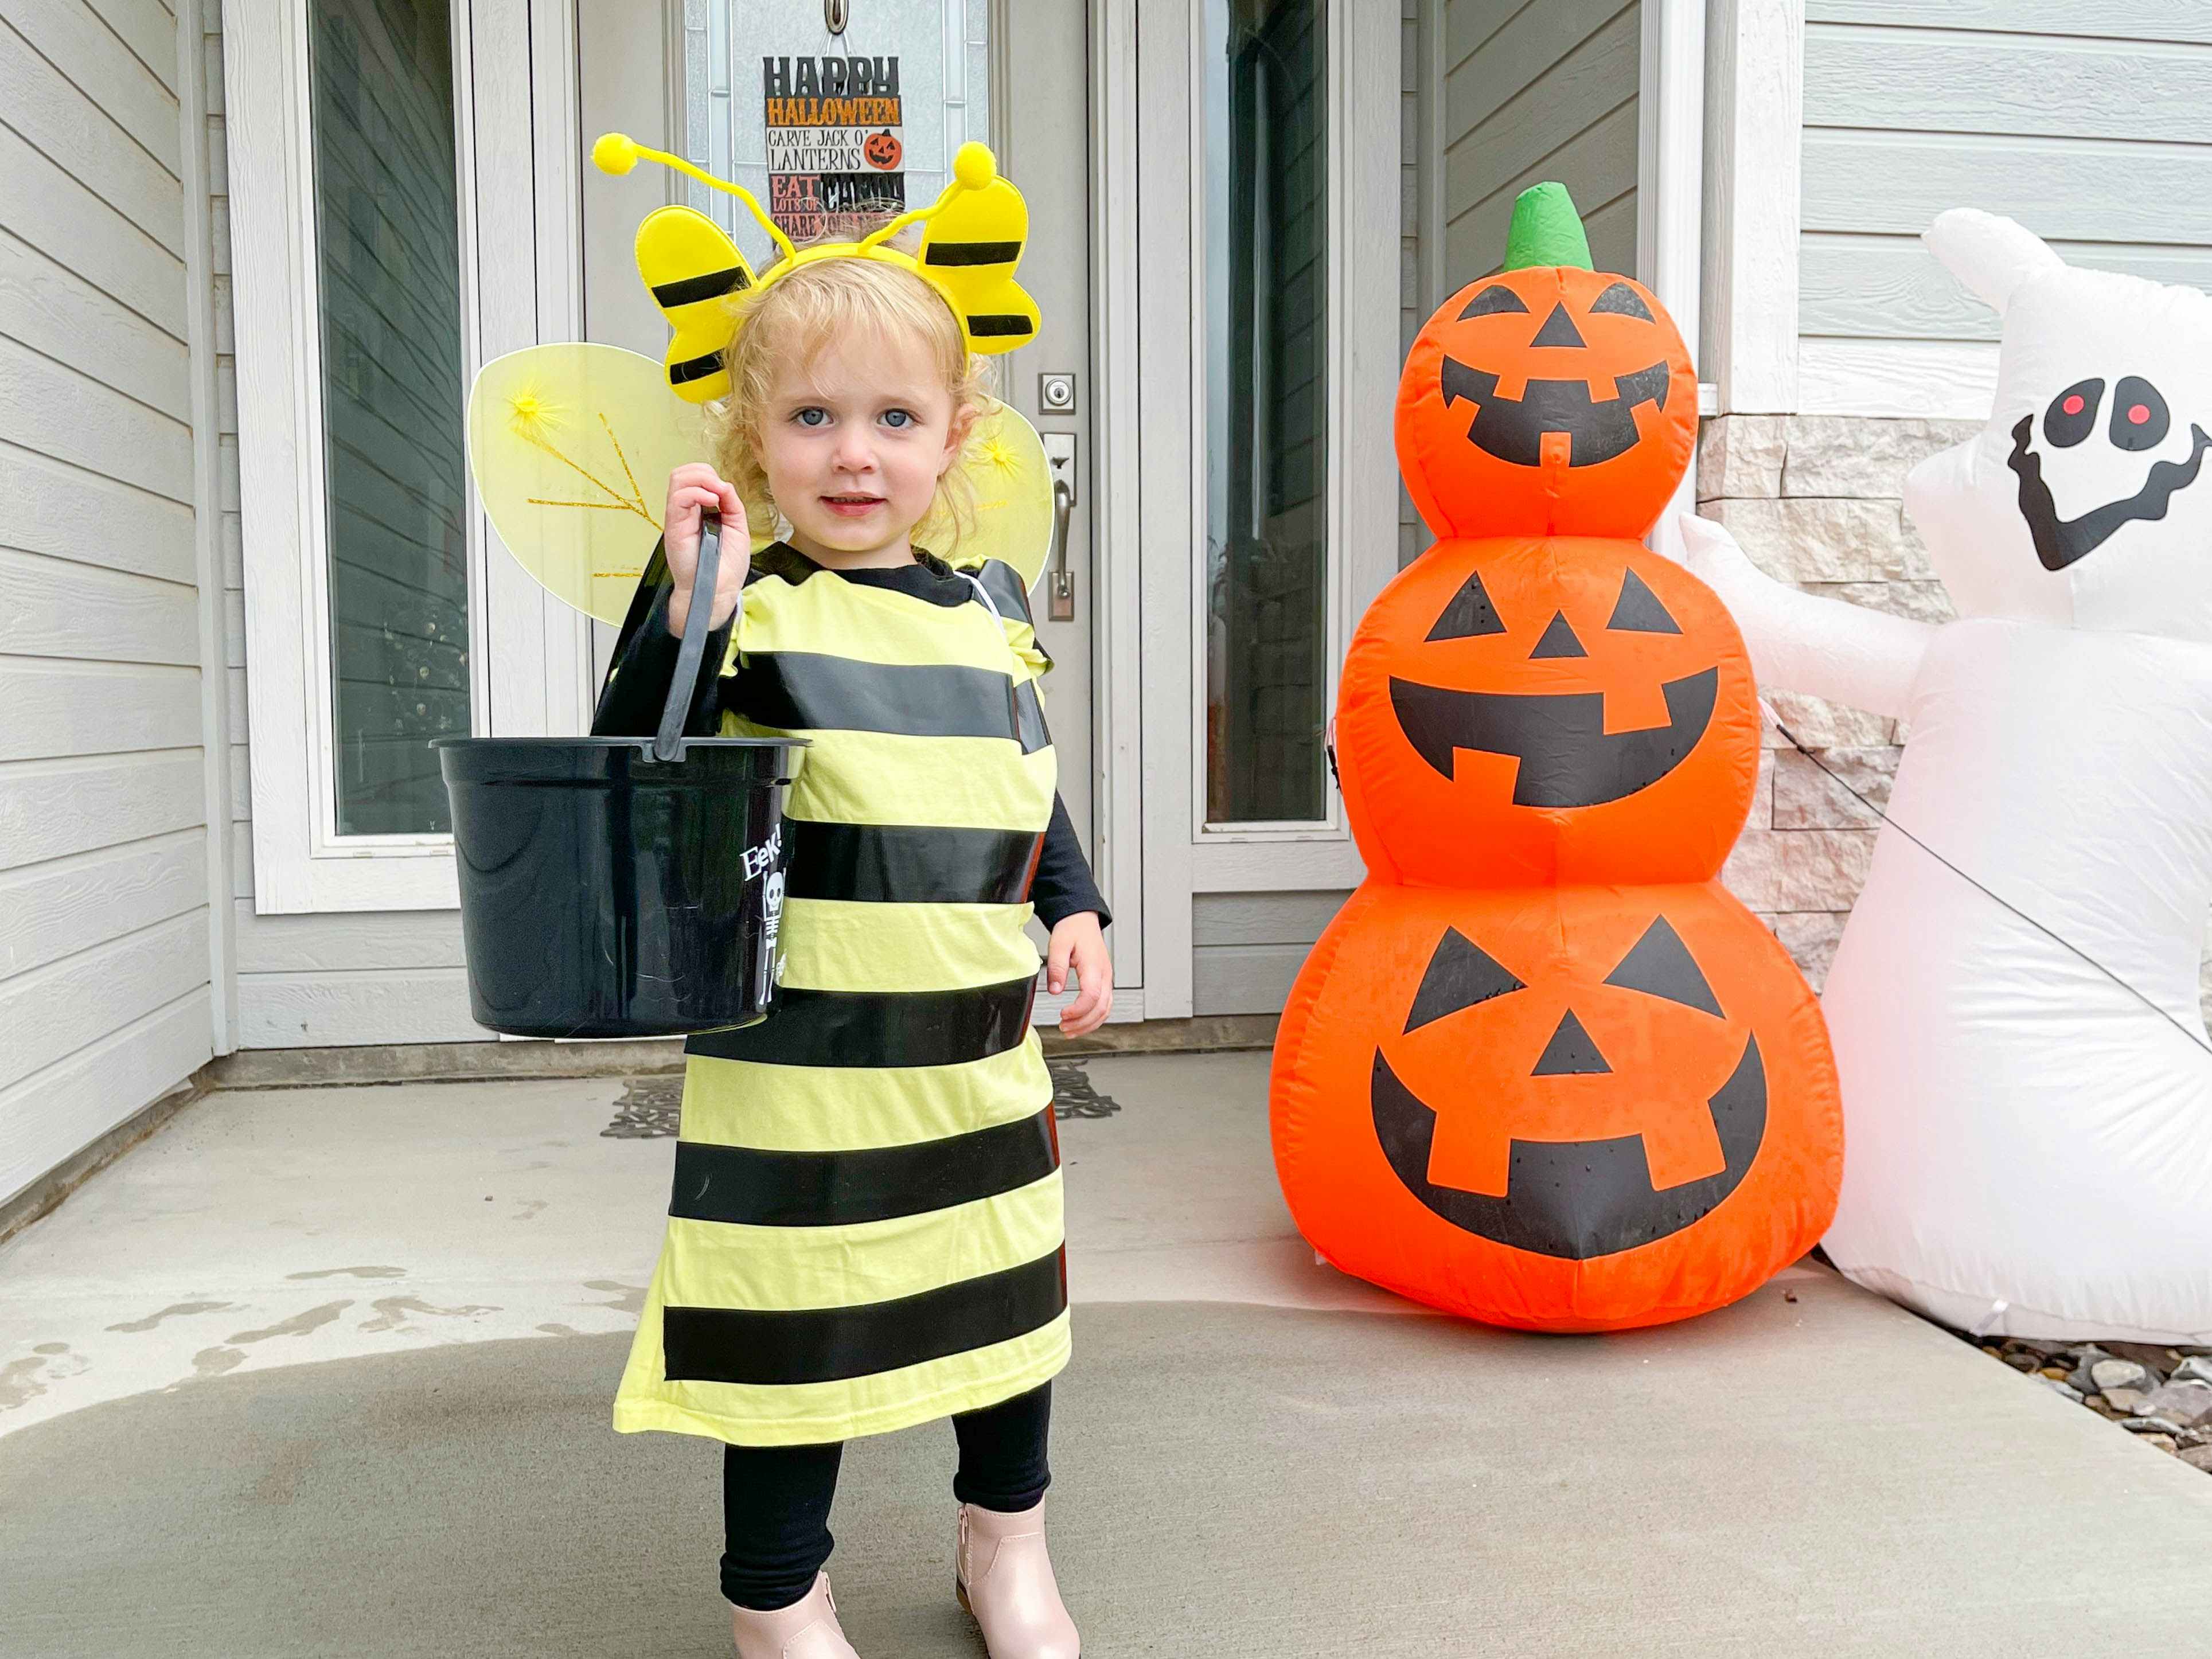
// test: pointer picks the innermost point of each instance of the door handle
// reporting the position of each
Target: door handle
(1060, 603)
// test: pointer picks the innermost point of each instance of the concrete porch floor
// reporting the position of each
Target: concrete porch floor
(327, 1370)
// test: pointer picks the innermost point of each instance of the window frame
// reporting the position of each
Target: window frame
(528, 666)
(1364, 148)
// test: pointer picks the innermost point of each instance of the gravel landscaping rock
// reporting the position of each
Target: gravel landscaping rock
(2186, 1403)
(2162, 1395)
(2112, 1374)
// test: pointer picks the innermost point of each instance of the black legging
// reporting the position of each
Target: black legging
(775, 1499)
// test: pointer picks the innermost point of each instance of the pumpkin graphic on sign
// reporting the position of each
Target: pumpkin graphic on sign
(882, 150)
(1543, 1070)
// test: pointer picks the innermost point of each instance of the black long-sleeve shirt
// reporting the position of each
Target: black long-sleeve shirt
(636, 687)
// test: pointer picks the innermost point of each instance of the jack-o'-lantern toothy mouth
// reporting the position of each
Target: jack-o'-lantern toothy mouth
(1567, 756)
(1575, 1198)
(1570, 1199)
(1513, 428)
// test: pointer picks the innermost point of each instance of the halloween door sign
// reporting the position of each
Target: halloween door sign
(836, 138)
(832, 131)
(1543, 1070)
(2015, 1003)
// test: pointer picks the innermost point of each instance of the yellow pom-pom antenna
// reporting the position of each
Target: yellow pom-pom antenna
(617, 153)
(975, 167)
(973, 236)
(614, 152)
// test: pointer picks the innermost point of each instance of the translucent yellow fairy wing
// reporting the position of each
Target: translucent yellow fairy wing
(692, 269)
(973, 242)
(571, 447)
(1004, 463)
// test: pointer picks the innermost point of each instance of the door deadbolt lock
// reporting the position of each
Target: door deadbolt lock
(1056, 393)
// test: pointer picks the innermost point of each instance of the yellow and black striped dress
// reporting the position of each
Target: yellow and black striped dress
(865, 1230)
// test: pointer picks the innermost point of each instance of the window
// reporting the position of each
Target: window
(388, 270)
(1266, 287)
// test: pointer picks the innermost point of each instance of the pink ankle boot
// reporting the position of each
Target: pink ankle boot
(807, 1629)
(1004, 1577)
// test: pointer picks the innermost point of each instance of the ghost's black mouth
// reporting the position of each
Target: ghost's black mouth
(1567, 756)
(1513, 428)
(2059, 542)
(1575, 1198)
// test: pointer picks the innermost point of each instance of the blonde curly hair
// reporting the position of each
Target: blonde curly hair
(788, 323)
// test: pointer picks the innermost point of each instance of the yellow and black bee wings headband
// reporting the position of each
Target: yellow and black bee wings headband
(972, 239)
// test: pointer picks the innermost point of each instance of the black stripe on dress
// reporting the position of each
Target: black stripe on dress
(811, 691)
(832, 1344)
(879, 1028)
(1029, 718)
(908, 863)
(1004, 584)
(752, 1187)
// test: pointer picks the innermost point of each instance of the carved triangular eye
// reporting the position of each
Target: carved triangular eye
(1638, 610)
(1559, 639)
(1621, 301)
(1461, 973)
(1470, 613)
(1494, 301)
(1661, 965)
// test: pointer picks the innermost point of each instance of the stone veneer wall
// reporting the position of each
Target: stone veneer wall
(1817, 500)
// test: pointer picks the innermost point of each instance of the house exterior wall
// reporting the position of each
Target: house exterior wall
(2092, 125)
(110, 981)
(1531, 93)
(2080, 122)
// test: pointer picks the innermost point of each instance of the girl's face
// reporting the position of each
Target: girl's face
(854, 441)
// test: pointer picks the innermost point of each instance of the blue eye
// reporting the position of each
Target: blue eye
(812, 416)
(898, 417)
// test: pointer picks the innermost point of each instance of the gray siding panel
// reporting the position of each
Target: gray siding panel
(1534, 92)
(104, 909)
(2092, 126)
(1417, 168)
(1247, 948)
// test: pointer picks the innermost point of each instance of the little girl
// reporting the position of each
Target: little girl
(866, 1229)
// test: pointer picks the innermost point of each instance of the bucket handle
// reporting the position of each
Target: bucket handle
(682, 686)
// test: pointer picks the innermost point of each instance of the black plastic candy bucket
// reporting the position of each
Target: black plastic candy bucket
(623, 887)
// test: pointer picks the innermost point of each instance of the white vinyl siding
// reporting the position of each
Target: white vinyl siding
(105, 971)
(1538, 89)
(2090, 125)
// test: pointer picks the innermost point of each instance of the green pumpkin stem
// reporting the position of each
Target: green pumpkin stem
(1546, 230)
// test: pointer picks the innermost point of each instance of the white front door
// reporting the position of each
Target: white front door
(1016, 76)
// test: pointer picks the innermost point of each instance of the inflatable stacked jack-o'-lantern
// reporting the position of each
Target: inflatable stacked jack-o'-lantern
(1543, 1070)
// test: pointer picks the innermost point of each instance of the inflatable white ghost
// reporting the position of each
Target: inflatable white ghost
(2027, 1078)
